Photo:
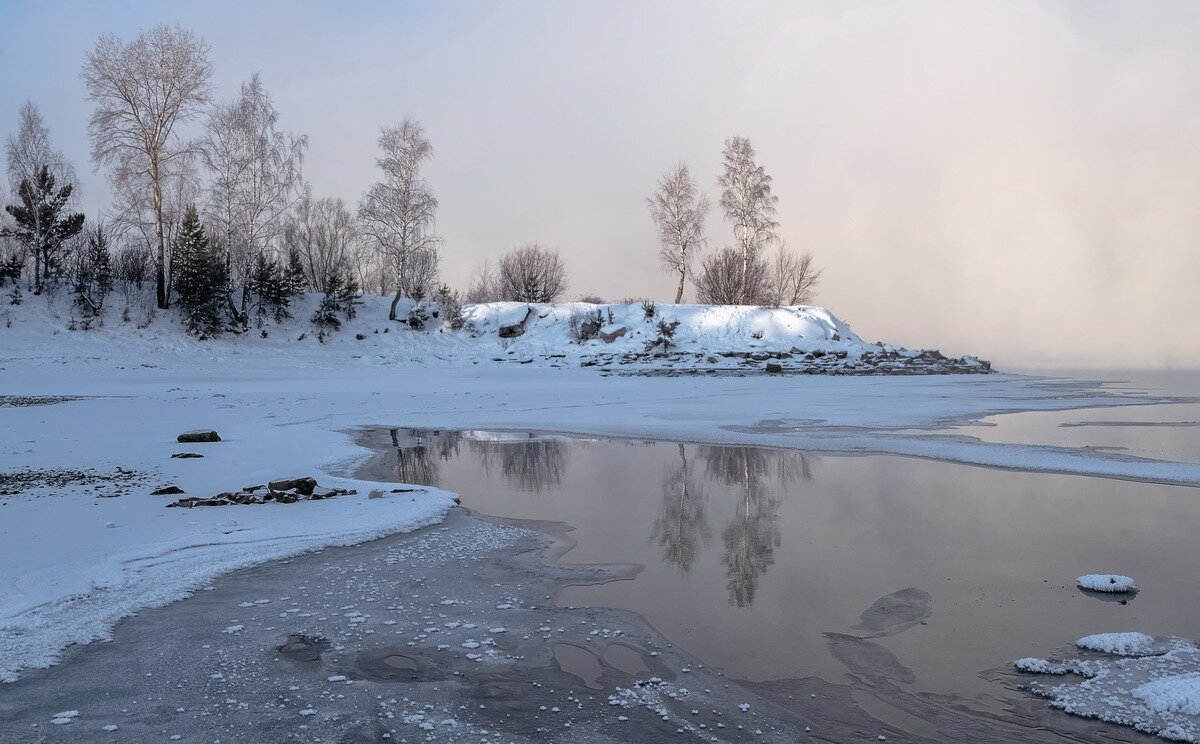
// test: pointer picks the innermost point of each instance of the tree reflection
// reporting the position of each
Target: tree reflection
(420, 452)
(683, 523)
(751, 537)
(528, 465)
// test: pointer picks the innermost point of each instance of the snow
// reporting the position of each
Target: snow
(1106, 583)
(1157, 694)
(1122, 644)
(286, 408)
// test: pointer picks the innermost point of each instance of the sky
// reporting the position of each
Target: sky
(1017, 180)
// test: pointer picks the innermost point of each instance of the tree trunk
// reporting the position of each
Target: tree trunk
(156, 195)
(679, 290)
(37, 270)
(395, 301)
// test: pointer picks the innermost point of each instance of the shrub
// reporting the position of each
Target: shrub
(584, 325)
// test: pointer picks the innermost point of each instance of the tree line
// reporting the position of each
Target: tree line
(224, 226)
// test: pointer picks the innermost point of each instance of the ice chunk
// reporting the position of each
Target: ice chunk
(1121, 644)
(1106, 583)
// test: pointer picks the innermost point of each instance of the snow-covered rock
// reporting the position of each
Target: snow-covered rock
(1115, 583)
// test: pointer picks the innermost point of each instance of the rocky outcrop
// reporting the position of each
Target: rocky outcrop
(283, 491)
(515, 329)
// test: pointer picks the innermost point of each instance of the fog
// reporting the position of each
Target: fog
(1016, 180)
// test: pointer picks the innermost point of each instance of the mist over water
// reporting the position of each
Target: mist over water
(1017, 180)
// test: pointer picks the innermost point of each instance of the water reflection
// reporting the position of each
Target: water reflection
(533, 463)
(760, 477)
(420, 452)
(754, 480)
(683, 523)
(527, 461)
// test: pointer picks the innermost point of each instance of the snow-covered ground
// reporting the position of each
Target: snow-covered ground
(72, 562)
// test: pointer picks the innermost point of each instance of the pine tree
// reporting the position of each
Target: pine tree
(200, 279)
(93, 274)
(294, 282)
(42, 227)
(268, 283)
(341, 296)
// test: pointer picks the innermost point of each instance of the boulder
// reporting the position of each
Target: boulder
(375, 494)
(167, 491)
(774, 367)
(613, 335)
(199, 435)
(515, 329)
(303, 486)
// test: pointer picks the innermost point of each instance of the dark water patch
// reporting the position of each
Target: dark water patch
(626, 659)
(579, 662)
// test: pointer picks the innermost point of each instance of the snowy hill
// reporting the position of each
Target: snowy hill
(629, 338)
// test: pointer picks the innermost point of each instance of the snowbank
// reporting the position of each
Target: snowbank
(1115, 583)
(627, 337)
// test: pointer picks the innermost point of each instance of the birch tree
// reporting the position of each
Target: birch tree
(257, 179)
(324, 235)
(678, 210)
(142, 91)
(398, 212)
(30, 148)
(749, 206)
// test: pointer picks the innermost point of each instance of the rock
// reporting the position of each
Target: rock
(774, 367)
(360, 336)
(304, 486)
(611, 336)
(199, 435)
(375, 494)
(185, 455)
(168, 491)
(515, 329)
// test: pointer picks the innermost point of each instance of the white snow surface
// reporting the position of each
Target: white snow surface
(285, 408)
(1157, 695)
(1121, 644)
(1114, 583)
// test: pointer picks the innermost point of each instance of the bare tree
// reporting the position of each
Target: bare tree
(678, 210)
(141, 91)
(749, 206)
(258, 178)
(324, 234)
(29, 149)
(397, 213)
(725, 279)
(483, 286)
(792, 278)
(531, 274)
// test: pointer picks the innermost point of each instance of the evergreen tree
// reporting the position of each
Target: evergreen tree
(93, 274)
(200, 279)
(268, 283)
(42, 226)
(341, 296)
(294, 282)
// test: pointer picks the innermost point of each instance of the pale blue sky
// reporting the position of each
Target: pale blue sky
(989, 177)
